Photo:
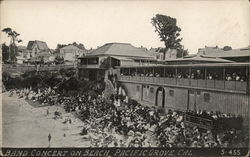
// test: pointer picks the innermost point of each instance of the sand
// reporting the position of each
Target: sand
(26, 125)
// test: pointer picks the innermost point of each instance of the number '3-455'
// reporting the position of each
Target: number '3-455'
(230, 152)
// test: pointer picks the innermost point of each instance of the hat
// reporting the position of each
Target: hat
(130, 133)
(138, 133)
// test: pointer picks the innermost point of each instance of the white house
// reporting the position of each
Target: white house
(20, 59)
(34, 48)
(70, 53)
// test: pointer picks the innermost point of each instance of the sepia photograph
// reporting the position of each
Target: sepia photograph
(128, 78)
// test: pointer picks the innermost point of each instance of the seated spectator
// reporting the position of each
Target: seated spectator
(237, 78)
(228, 77)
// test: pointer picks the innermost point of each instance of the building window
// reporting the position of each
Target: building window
(171, 92)
(92, 61)
(138, 88)
(198, 92)
(191, 91)
(151, 90)
(35, 50)
(206, 97)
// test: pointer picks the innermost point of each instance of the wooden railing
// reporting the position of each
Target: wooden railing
(210, 84)
(55, 67)
(25, 68)
(198, 121)
(88, 66)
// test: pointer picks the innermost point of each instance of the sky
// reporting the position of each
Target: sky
(94, 23)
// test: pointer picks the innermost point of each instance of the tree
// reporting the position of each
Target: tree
(80, 45)
(182, 52)
(13, 39)
(227, 48)
(168, 31)
(5, 53)
(58, 47)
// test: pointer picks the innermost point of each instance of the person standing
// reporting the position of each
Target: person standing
(47, 111)
(49, 139)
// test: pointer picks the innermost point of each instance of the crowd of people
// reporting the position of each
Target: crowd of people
(132, 124)
(235, 77)
(195, 74)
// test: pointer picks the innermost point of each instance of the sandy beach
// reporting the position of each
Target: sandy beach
(26, 125)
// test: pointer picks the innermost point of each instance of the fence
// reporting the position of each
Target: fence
(198, 121)
(210, 84)
(25, 68)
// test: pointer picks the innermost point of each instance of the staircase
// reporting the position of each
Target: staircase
(109, 88)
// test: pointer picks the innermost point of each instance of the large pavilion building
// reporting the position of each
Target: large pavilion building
(210, 80)
(102, 62)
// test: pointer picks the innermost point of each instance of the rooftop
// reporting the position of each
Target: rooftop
(21, 47)
(217, 52)
(70, 47)
(200, 58)
(120, 49)
(40, 44)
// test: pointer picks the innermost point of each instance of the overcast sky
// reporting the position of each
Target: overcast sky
(95, 23)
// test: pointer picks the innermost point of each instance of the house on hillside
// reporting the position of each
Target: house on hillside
(237, 55)
(104, 60)
(36, 47)
(20, 59)
(159, 53)
(207, 50)
(70, 53)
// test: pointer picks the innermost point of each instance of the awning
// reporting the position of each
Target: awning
(145, 59)
(200, 59)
